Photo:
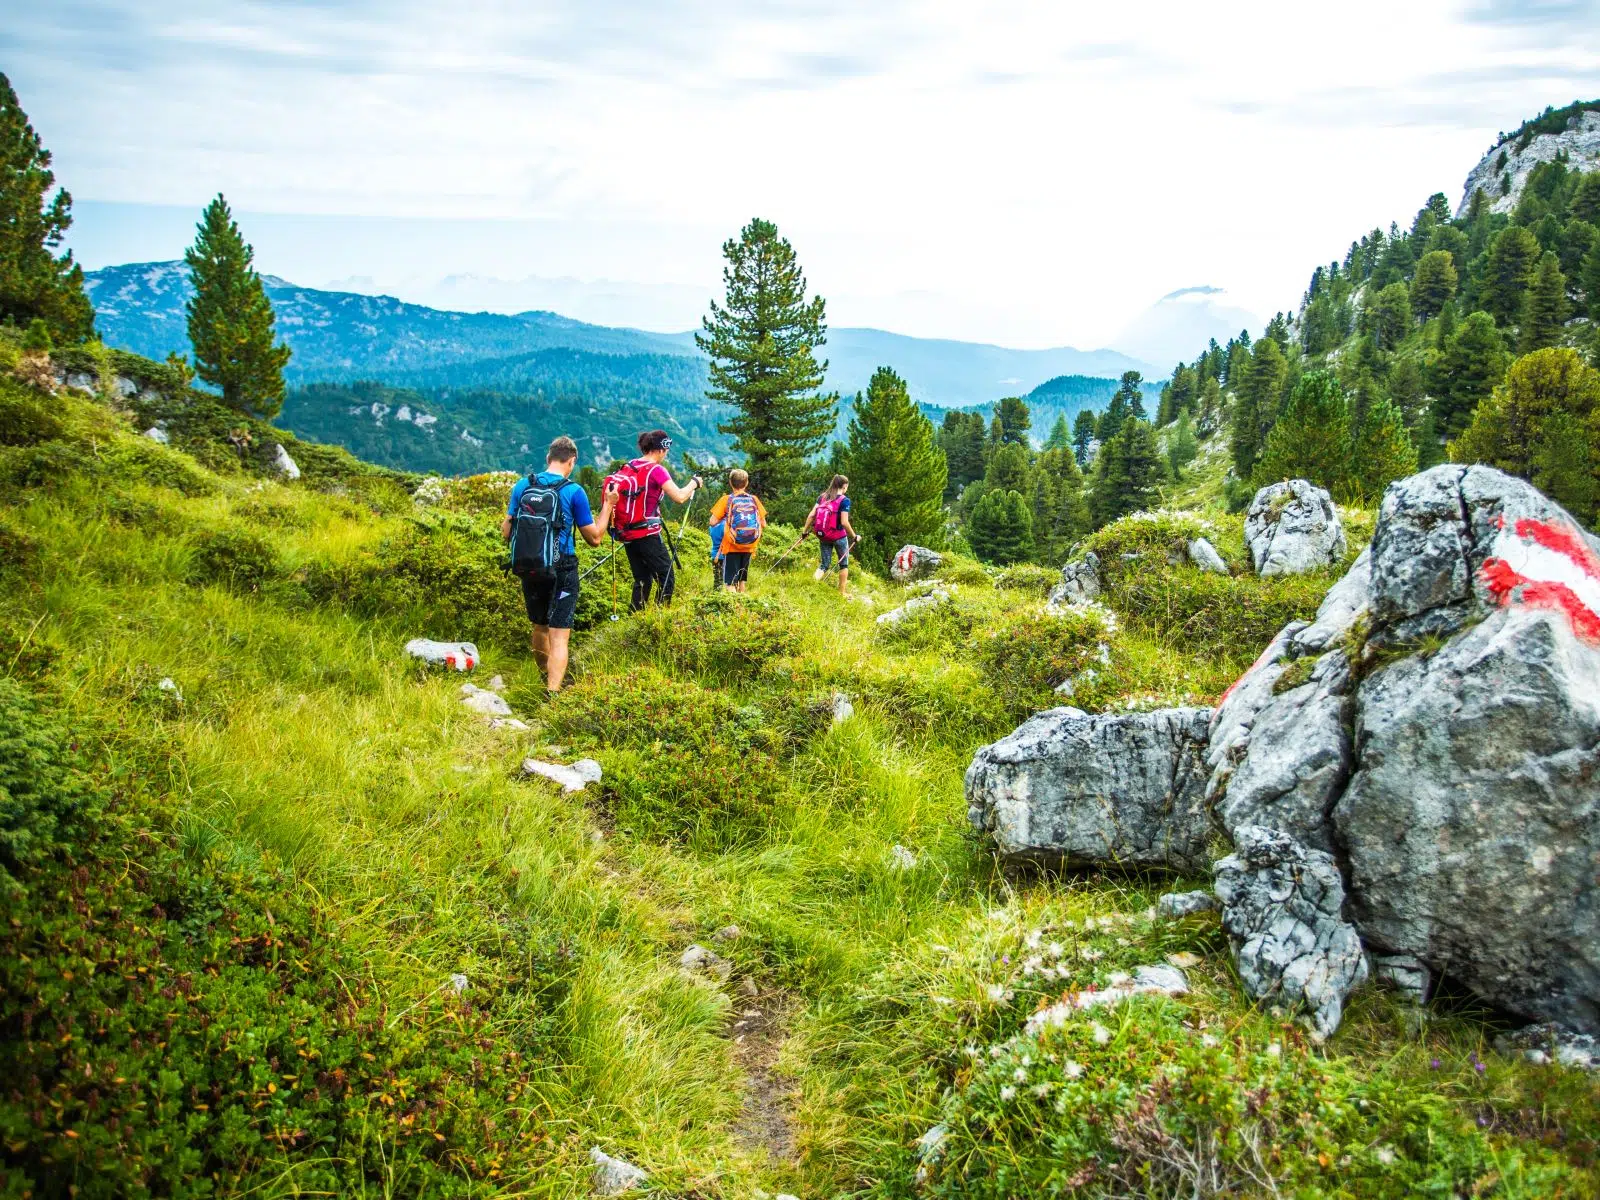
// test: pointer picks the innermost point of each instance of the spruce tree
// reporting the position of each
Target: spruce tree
(762, 343)
(1311, 440)
(1060, 434)
(1590, 279)
(1084, 426)
(1128, 474)
(1256, 407)
(230, 318)
(1009, 468)
(1383, 450)
(897, 471)
(961, 439)
(1001, 528)
(1387, 318)
(1015, 420)
(1466, 373)
(1512, 258)
(1544, 311)
(1182, 448)
(1585, 202)
(1434, 284)
(1060, 515)
(35, 283)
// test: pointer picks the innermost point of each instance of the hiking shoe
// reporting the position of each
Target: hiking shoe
(818, 576)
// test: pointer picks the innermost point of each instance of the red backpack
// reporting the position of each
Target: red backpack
(633, 519)
(826, 522)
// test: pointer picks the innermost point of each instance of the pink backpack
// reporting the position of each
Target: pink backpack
(826, 521)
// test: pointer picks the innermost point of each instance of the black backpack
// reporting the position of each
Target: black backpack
(536, 530)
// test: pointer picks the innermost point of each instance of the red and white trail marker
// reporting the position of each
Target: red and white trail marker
(1546, 564)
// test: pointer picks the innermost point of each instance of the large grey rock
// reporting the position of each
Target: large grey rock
(1281, 904)
(911, 563)
(1124, 789)
(1080, 581)
(1578, 145)
(283, 464)
(1471, 826)
(1459, 785)
(1292, 528)
(930, 600)
(614, 1176)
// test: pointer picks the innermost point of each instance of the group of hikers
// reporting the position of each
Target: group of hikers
(548, 511)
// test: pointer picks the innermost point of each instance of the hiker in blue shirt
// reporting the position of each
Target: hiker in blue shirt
(550, 593)
(716, 530)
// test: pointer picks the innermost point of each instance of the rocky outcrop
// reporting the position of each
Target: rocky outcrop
(459, 656)
(912, 563)
(283, 464)
(1281, 905)
(1125, 789)
(1579, 143)
(1292, 528)
(1080, 582)
(1457, 784)
(931, 599)
(1204, 555)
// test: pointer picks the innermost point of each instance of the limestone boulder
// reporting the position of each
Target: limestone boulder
(1080, 582)
(1116, 789)
(1293, 528)
(912, 563)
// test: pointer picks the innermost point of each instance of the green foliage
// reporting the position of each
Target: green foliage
(1015, 421)
(234, 557)
(1060, 513)
(1257, 390)
(1182, 448)
(1127, 473)
(1388, 316)
(230, 318)
(1026, 577)
(1311, 440)
(26, 417)
(721, 637)
(1030, 652)
(35, 283)
(1083, 432)
(1512, 257)
(1471, 366)
(1001, 527)
(1434, 284)
(962, 437)
(1541, 424)
(897, 471)
(1383, 449)
(43, 797)
(1545, 309)
(762, 341)
(1060, 435)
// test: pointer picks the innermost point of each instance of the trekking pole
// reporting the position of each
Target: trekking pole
(596, 566)
(785, 554)
(688, 508)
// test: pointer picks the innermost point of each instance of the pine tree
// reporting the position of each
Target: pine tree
(1585, 202)
(897, 471)
(1434, 284)
(1182, 448)
(230, 318)
(1388, 317)
(1060, 434)
(1311, 440)
(1256, 406)
(1001, 528)
(1512, 258)
(1467, 373)
(35, 284)
(1060, 516)
(1383, 450)
(961, 439)
(1591, 282)
(1009, 467)
(1015, 420)
(761, 342)
(1514, 428)
(1083, 432)
(1128, 474)
(1544, 311)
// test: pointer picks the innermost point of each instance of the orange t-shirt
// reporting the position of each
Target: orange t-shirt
(719, 510)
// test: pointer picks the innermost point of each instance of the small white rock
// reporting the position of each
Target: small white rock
(728, 933)
(157, 434)
(572, 779)
(508, 723)
(843, 710)
(458, 983)
(462, 656)
(698, 959)
(167, 684)
(614, 1176)
(283, 464)
(487, 703)
(497, 684)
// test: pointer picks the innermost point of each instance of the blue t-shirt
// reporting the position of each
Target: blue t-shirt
(716, 540)
(574, 507)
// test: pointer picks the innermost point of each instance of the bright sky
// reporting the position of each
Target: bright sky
(1025, 173)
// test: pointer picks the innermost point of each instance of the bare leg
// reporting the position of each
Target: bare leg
(556, 658)
(844, 581)
(539, 642)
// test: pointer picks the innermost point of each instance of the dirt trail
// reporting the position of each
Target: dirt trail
(758, 1033)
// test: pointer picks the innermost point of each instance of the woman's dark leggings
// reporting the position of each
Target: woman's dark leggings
(651, 564)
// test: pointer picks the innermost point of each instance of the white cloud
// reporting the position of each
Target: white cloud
(1022, 172)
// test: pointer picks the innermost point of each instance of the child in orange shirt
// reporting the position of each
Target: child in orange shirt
(744, 519)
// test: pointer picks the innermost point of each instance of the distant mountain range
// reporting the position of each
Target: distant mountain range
(492, 383)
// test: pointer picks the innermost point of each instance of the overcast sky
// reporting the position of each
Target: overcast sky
(1025, 173)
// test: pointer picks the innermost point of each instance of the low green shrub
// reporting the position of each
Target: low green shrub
(1151, 535)
(931, 627)
(949, 701)
(26, 416)
(1028, 577)
(1237, 614)
(1029, 653)
(184, 1022)
(719, 635)
(681, 761)
(18, 551)
(40, 467)
(235, 557)
(968, 572)
(140, 460)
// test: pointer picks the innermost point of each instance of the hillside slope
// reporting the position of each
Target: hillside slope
(291, 921)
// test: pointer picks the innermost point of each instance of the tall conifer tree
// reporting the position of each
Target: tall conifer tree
(1472, 364)
(897, 471)
(1001, 528)
(762, 343)
(1083, 432)
(230, 317)
(1511, 262)
(1311, 440)
(1383, 449)
(1544, 312)
(35, 283)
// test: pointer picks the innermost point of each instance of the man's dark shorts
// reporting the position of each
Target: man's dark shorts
(735, 567)
(553, 602)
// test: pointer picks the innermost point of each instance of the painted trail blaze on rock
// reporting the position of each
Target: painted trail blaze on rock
(1546, 564)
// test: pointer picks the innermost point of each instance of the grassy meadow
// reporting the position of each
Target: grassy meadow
(282, 918)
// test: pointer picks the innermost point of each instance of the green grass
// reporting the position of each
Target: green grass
(312, 771)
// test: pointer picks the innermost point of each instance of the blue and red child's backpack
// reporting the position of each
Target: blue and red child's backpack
(744, 519)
